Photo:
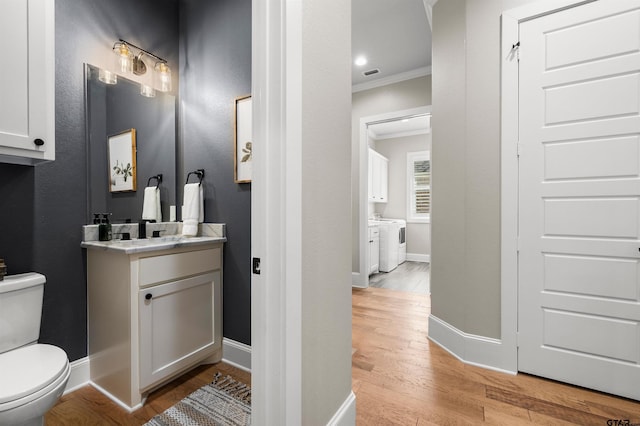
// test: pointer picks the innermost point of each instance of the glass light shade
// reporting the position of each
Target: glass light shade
(147, 91)
(107, 77)
(163, 77)
(124, 58)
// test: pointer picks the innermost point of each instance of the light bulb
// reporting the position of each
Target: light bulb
(163, 77)
(124, 61)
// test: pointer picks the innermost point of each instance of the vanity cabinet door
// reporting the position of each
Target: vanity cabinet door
(27, 86)
(177, 325)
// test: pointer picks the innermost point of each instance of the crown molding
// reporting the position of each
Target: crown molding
(396, 78)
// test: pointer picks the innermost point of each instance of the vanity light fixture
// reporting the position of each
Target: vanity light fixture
(107, 77)
(127, 62)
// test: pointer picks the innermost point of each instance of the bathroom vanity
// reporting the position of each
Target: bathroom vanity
(154, 311)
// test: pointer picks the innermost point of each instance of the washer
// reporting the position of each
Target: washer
(389, 244)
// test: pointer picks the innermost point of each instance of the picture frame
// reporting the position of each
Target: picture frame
(243, 140)
(122, 161)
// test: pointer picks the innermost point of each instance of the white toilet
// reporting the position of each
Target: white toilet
(32, 376)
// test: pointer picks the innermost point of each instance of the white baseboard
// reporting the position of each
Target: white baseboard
(79, 374)
(236, 354)
(116, 400)
(357, 280)
(346, 414)
(414, 257)
(471, 349)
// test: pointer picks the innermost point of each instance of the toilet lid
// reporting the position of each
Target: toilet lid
(25, 370)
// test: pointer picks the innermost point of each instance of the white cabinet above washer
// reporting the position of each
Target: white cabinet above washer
(378, 177)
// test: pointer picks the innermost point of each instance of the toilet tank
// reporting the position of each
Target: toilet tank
(20, 309)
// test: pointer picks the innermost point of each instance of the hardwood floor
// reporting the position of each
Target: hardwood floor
(408, 276)
(402, 378)
(87, 406)
(399, 378)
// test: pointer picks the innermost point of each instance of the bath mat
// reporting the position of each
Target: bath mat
(224, 402)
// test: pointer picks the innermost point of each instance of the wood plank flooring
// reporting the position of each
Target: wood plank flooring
(408, 276)
(399, 378)
(402, 378)
(87, 406)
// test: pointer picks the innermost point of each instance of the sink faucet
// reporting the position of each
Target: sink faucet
(142, 229)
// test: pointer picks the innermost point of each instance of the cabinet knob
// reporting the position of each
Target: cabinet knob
(148, 296)
(38, 142)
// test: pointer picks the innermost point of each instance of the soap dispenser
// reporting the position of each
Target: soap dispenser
(104, 229)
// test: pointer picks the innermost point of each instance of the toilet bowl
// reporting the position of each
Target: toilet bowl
(32, 376)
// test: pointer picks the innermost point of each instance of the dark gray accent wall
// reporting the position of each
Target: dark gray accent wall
(215, 68)
(17, 217)
(44, 208)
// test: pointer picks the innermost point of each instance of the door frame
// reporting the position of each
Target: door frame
(360, 279)
(276, 199)
(511, 20)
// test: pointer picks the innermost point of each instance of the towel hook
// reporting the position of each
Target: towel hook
(158, 179)
(199, 173)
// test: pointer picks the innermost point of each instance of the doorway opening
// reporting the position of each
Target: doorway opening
(399, 218)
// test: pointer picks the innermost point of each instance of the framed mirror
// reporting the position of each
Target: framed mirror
(145, 127)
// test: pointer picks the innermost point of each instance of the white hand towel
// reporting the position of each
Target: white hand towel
(192, 209)
(151, 204)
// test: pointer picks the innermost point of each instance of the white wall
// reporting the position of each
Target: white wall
(465, 273)
(396, 149)
(407, 94)
(326, 200)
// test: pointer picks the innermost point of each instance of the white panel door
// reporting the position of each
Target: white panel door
(579, 207)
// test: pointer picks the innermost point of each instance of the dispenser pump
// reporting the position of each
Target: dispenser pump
(104, 228)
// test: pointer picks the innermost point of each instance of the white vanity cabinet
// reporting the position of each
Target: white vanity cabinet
(27, 86)
(152, 316)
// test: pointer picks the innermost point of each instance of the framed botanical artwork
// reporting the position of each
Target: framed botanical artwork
(122, 161)
(243, 141)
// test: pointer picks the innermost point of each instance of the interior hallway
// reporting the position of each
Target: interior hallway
(402, 378)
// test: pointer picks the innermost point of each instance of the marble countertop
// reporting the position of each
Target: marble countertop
(150, 244)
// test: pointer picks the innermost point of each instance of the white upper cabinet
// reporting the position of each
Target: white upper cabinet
(378, 177)
(27, 81)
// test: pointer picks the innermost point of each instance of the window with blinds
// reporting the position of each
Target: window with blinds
(419, 186)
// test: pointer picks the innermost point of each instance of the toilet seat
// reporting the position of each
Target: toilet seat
(30, 372)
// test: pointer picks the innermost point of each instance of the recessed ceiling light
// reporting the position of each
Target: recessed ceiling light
(360, 61)
(405, 120)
